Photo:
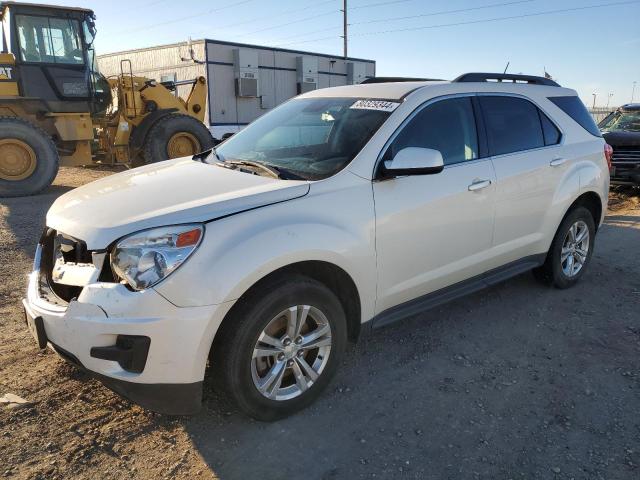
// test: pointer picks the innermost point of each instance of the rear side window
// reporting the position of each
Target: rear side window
(573, 107)
(513, 124)
(551, 133)
(448, 126)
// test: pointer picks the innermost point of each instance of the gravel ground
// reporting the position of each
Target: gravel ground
(517, 381)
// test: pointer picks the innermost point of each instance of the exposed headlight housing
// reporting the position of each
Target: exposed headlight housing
(145, 258)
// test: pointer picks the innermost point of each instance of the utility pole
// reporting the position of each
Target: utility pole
(594, 100)
(609, 99)
(344, 26)
(633, 91)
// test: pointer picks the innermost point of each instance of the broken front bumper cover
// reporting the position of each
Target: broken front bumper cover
(167, 398)
(138, 344)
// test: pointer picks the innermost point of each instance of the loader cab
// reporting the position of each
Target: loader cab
(54, 56)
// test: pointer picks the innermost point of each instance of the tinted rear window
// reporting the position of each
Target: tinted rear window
(573, 107)
(513, 124)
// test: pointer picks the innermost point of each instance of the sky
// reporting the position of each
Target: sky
(593, 50)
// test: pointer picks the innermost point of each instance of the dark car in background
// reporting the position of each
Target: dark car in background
(621, 130)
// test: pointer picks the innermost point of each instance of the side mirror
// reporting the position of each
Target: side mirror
(415, 161)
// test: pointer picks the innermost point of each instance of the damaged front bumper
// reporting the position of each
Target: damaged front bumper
(138, 344)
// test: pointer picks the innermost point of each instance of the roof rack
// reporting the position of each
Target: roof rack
(396, 79)
(508, 77)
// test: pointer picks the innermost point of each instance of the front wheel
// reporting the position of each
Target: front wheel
(280, 348)
(571, 250)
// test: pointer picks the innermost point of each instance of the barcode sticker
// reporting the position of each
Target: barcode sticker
(381, 105)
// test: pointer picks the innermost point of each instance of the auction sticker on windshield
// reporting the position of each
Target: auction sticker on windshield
(381, 105)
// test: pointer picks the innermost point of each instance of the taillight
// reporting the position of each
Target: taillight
(608, 154)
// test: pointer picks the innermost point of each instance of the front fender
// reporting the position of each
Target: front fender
(239, 250)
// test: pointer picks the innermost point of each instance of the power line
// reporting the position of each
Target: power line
(367, 5)
(196, 15)
(443, 12)
(305, 19)
(472, 22)
(284, 14)
(512, 17)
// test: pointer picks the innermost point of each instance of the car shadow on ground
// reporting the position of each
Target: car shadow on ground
(25, 212)
(519, 380)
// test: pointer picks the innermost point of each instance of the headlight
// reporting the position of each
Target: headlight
(144, 258)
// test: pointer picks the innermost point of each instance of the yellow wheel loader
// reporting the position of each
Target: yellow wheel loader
(57, 109)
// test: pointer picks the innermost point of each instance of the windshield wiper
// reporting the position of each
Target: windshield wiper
(273, 170)
(248, 163)
(202, 156)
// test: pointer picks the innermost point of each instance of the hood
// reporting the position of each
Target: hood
(165, 193)
(622, 139)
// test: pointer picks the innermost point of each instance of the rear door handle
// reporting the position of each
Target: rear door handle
(479, 185)
(556, 162)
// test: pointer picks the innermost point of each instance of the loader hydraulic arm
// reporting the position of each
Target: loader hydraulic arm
(197, 97)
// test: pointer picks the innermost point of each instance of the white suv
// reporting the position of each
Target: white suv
(344, 208)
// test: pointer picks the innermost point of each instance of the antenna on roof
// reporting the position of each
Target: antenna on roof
(505, 68)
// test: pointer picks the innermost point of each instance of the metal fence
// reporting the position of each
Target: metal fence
(598, 113)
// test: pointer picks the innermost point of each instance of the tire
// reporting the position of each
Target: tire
(28, 158)
(238, 374)
(556, 271)
(195, 138)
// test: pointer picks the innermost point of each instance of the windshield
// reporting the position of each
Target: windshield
(49, 40)
(311, 138)
(621, 121)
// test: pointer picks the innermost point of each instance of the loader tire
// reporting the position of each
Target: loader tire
(175, 136)
(28, 158)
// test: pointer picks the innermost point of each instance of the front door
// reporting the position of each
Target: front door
(434, 230)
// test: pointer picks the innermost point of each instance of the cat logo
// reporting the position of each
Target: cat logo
(6, 73)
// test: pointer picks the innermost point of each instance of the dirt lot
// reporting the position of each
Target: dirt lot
(518, 381)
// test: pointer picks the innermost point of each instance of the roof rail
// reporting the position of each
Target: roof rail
(396, 79)
(502, 77)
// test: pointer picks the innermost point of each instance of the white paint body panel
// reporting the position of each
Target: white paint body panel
(398, 239)
(163, 193)
(431, 231)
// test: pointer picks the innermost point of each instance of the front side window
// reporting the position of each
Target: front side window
(447, 126)
(622, 122)
(513, 124)
(49, 40)
(312, 138)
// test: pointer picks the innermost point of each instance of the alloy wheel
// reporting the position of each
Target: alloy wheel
(291, 352)
(575, 249)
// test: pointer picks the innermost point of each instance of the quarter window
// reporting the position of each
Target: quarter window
(513, 124)
(573, 107)
(551, 133)
(448, 126)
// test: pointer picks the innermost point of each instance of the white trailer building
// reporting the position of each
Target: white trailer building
(244, 80)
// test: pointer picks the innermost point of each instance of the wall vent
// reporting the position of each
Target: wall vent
(307, 73)
(246, 72)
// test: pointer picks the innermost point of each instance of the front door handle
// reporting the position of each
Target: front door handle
(479, 185)
(556, 162)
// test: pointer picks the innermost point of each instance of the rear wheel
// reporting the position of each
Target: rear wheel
(281, 347)
(28, 158)
(175, 136)
(570, 252)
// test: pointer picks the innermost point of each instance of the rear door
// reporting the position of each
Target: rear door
(529, 163)
(434, 230)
